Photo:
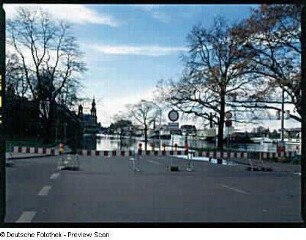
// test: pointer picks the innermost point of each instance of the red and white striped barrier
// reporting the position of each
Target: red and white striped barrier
(36, 150)
(215, 154)
(127, 153)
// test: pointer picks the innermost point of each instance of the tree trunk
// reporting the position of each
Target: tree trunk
(146, 136)
(47, 131)
(121, 133)
(47, 124)
(221, 121)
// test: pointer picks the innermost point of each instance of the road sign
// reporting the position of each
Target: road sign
(173, 115)
(228, 115)
(173, 125)
(228, 123)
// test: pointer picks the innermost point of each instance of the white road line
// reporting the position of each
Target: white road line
(54, 176)
(44, 191)
(26, 217)
(154, 162)
(234, 189)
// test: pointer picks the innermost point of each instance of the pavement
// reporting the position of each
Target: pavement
(109, 190)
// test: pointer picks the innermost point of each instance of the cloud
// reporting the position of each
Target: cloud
(78, 14)
(155, 12)
(109, 107)
(153, 51)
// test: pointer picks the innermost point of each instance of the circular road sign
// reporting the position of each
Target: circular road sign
(228, 115)
(173, 115)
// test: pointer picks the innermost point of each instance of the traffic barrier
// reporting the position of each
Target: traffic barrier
(141, 152)
(35, 150)
(212, 154)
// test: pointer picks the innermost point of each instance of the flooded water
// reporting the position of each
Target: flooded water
(209, 160)
(102, 142)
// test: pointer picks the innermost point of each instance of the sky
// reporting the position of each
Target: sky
(129, 48)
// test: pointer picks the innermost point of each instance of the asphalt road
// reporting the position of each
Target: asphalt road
(106, 189)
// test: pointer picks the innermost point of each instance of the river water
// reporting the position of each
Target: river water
(103, 142)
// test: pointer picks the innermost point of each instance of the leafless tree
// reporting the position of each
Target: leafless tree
(273, 34)
(49, 57)
(145, 113)
(14, 75)
(214, 72)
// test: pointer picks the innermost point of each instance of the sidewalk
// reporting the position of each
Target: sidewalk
(12, 156)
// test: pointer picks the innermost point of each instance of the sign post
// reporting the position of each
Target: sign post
(228, 124)
(173, 116)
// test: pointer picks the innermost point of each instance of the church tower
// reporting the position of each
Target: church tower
(80, 113)
(93, 110)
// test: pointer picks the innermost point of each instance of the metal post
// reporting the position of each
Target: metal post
(227, 137)
(282, 117)
(159, 140)
(171, 159)
(120, 139)
(160, 113)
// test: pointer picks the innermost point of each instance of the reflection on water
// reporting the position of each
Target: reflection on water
(89, 142)
(107, 142)
(264, 147)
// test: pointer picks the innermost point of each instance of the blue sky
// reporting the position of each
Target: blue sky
(128, 48)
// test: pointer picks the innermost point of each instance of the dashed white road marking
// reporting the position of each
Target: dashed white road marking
(26, 217)
(153, 162)
(44, 191)
(234, 189)
(298, 173)
(54, 176)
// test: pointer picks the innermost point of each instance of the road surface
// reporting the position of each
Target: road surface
(106, 189)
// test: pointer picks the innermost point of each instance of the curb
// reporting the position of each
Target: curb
(34, 156)
(27, 157)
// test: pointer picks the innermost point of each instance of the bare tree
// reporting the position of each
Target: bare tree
(273, 34)
(14, 75)
(145, 113)
(49, 57)
(214, 72)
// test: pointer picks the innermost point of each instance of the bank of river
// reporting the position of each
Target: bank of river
(103, 142)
